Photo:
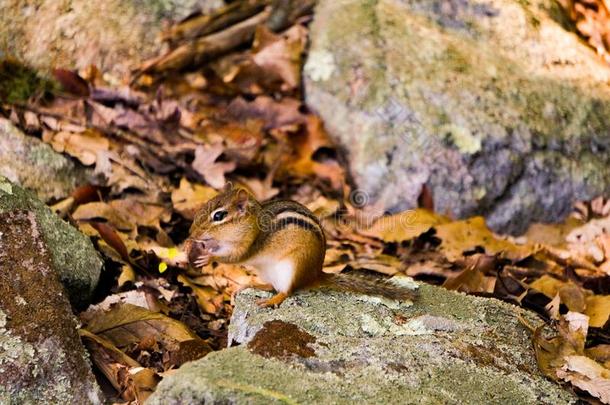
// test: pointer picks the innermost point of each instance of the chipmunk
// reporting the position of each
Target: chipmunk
(281, 239)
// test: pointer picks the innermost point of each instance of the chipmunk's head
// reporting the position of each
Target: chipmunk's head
(225, 227)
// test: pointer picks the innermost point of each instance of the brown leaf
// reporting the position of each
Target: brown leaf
(112, 362)
(71, 82)
(209, 300)
(570, 340)
(275, 114)
(280, 55)
(84, 146)
(111, 238)
(470, 280)
(125, 324)
(212, 171)
(189, 197)
(102, 210)
(588, 375)
(600, 353)
(304, 161)
(261, 189)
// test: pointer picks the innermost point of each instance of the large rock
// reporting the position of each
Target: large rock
(72, 254)
(494, 104)
(334, 348)
(34, 165)
(115, 35)
(42, 359)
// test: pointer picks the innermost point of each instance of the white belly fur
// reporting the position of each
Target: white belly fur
(279, 274)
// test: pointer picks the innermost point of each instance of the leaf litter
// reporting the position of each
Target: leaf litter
(225, 104)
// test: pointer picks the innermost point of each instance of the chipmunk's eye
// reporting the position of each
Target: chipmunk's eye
(219, 215)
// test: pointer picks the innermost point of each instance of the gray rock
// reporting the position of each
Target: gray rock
(336, 348)
(73, 256)
(114, 35)
(493, 104)
(34, 165)
(42, 359)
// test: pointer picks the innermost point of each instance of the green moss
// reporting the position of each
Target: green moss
(18, 82)
(457, 349)
(74, 257)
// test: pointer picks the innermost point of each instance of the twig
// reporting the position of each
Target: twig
(210, 23)
(206, 47)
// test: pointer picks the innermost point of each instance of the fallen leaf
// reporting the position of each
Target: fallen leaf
(112, 239)
(209, 299)
(212, 171)
(588, 375)
(102, 210)
(598, 310)
(405, 225)
(600, 353)
(126, 324)
(84, 146)
(112, 362)
(71, 82)
(281, 55)
(189, 197)
(464, 236)
(261, 189)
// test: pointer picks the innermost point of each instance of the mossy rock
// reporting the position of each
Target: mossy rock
(74, 258)
(34, 165)
(338, 348)
(42, 359)
(494, 105)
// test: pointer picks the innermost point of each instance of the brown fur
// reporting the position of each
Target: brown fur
(367, 285)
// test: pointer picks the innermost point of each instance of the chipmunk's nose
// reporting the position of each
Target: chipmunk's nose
(195, 249)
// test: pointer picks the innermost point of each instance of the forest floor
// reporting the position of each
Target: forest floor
(166, 143)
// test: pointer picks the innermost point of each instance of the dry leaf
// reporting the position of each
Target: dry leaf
(280, 55)
(588, 375)
(405, 225)
(209, 300)
(84, 146)
(212, 171)
(126, 324)
(598, 309)
(188, 198)
(464, 236)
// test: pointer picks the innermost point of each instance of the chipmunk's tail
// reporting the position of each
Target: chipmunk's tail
(360, 284)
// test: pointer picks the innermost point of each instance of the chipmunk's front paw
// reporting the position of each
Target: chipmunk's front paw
(274, 301)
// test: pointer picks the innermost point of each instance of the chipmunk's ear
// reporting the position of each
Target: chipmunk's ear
(241, 201)
(227, 187)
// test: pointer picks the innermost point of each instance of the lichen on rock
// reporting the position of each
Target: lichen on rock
(445, 348)
(492, 104)
(34, 165)
(42, 359)
(74, 258)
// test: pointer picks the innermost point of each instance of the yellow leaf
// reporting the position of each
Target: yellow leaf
(189, 197)
(598, 310)
(162, 267)
(462, 236)
(404, 225)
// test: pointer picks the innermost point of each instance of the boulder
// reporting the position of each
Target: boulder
(34, 165)
(42, 359)
(73, 256)
(330, 347)
(114, 35)
(495, 105)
